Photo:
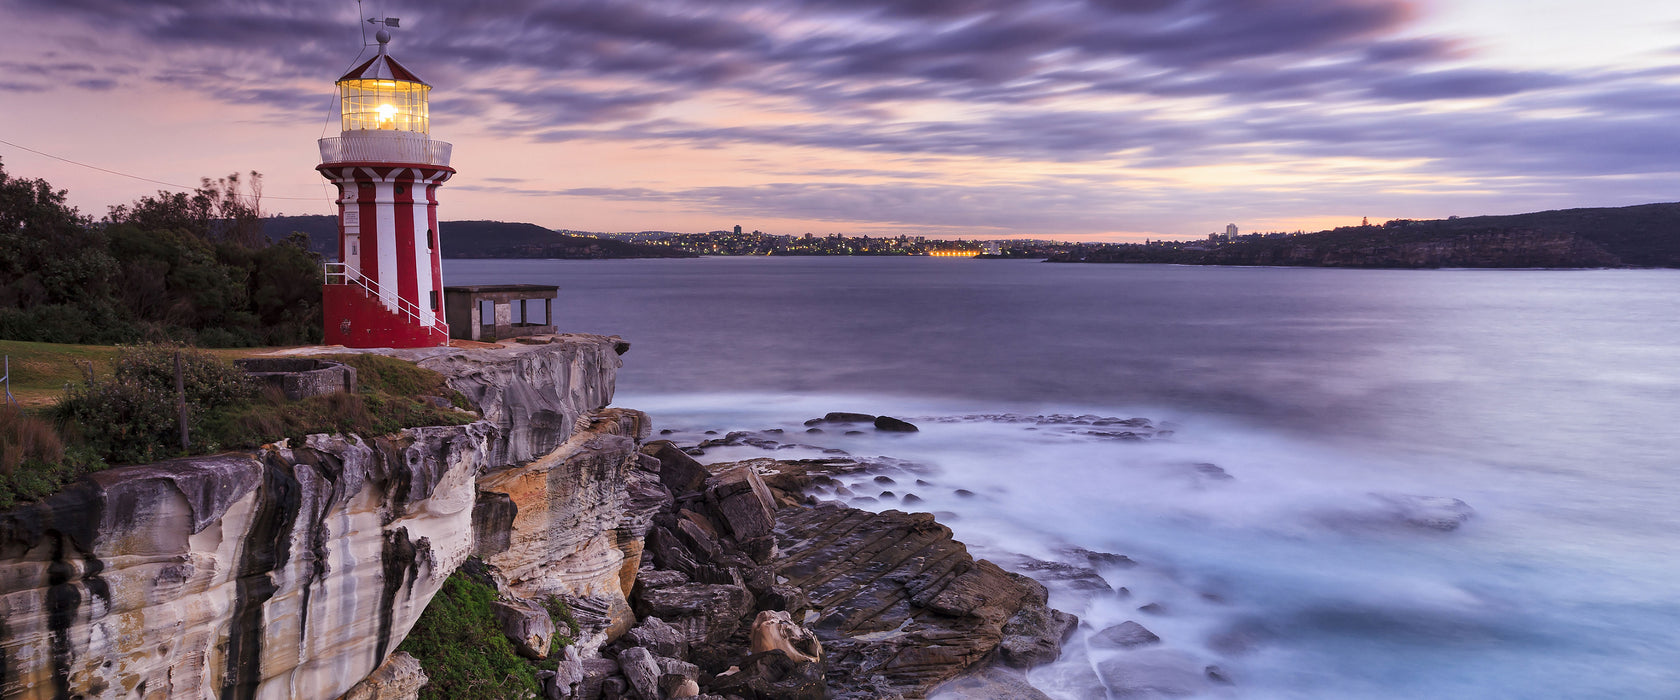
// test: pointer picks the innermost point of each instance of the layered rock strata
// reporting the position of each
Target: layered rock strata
(290, 572)
(293, 571)
(569, 523)
(894, 605)
(535, 391)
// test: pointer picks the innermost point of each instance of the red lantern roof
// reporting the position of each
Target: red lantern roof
(382, 67)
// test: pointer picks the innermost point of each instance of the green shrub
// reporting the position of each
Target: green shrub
(565, 624)
(209, 381)
(133, 418)
(34, 461)
(463, 649)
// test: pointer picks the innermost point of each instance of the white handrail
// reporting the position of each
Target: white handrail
(350, 275)
(7, 380)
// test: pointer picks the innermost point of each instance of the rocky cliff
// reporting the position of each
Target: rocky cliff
(296, 570)
(293, 571)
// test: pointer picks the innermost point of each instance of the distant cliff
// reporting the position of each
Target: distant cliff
(1640, 236)
(484, 239)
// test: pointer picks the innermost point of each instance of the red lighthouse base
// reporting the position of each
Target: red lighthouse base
(357, 319)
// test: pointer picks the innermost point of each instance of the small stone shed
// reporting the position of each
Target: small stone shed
(301, 377)
(491, 312)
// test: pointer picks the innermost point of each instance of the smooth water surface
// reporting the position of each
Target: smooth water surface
(1545, 400)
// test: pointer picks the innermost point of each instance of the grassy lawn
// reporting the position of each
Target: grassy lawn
(40, 370)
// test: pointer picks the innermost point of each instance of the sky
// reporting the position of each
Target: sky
(1066, 119)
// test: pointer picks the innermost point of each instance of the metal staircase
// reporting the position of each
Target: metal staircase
(344, 273)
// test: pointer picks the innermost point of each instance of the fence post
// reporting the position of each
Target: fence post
(6, 377)
(181, 400)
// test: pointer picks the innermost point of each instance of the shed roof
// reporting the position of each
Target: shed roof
(495, 288)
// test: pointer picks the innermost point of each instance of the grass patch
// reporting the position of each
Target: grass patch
(40, 370)
(561, 614)
(121, 409)
(463, 649)
(391, 395)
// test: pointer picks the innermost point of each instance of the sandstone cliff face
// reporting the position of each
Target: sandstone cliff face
(567, 524)
(287, 573)
(294, 571)
(535, 394)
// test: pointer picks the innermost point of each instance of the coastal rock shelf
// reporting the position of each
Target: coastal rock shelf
(296, 570)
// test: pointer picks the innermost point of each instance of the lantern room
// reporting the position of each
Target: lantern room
(382, 95)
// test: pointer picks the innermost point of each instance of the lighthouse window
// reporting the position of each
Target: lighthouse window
(431, 239)
(434, 300)
(401, 189)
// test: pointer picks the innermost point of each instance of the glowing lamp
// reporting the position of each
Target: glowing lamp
(382, 94)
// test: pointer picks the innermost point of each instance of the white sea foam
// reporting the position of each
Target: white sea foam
(1297, 576)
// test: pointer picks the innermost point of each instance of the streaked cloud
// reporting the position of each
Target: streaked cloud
(895, 105)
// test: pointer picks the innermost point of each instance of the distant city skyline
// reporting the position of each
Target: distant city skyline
(1065, 119)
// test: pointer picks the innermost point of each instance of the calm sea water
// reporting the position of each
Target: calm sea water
(1547, 401)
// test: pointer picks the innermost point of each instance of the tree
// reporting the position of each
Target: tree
(176, 266)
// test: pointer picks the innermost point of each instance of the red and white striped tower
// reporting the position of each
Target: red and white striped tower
(387, 289)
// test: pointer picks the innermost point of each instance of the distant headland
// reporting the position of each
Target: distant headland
(1646, 235)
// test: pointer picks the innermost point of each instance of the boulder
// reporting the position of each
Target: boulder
(771, 675)
(680, 472)
(677, 667)
(662, 639)
(399, 678)
(743, 502)
(774, 629)
(703, 613)
(595, 674)
(1427, 512)
(1124, 636)
(993, 683)
(1033, 636)
(568, 674)
(905, 607)
(675, 686)
(701, 543)
(526, 624)
(1154, 673)
(844, 417)
(894, 425)
(642, 670)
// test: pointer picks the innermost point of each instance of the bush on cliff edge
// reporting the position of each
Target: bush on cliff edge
(131, 416)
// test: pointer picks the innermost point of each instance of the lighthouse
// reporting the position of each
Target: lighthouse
(386, 291)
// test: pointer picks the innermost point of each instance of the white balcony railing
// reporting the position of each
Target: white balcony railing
(385, 147)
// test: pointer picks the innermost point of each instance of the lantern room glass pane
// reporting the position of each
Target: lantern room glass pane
(391, 105)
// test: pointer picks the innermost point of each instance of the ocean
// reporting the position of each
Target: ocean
(1345, 483)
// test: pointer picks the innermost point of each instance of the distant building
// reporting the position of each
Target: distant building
(737, 229)
(1230, 232)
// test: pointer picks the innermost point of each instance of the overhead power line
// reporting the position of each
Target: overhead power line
(142, 179)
